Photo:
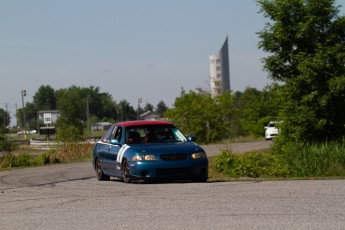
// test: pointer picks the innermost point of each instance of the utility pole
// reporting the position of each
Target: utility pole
(4, 121)
(88, 115)
(138, 112)
(7, 115)
(16, 116)
(23, 95)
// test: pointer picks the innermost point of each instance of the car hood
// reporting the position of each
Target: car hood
(167, 148)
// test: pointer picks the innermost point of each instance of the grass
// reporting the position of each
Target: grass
(299, 161)
(254, 164)
(26, 156)
(317, 160)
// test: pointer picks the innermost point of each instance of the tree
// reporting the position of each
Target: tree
(4, 119)
(251, 108)
(148, 107)
(72, 111)
(108, 107)
(126, 111)
(223, 124)
(161, 108)
(74, 102)
(30, 116)
(101, 105)
(258, 108)
(305, 40)
(44, 98)
(199, 114)
(191, 113)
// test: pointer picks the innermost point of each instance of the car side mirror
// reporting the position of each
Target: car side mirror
(115, 142)
(191, 138)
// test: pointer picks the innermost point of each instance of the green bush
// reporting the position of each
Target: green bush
(6, 146)
(253, 164)
(46, 158)
(9, 160)
(316, 160)
(69, 134)
(294, 160)
(6, 160)
(22, 160)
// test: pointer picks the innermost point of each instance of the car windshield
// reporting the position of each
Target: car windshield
(153, 134)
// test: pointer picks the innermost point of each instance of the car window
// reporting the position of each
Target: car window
(153, 134)
(118, 134)
(109, 134)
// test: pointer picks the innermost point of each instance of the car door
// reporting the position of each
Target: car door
(113, 150)
(103, 149)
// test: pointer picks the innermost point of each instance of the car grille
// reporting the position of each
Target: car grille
(174, 171)
(174, 157)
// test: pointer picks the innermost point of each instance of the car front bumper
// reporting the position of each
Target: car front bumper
(153, 170)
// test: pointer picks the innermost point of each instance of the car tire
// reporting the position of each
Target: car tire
(99, 172)
(201, 180)
(125, 171)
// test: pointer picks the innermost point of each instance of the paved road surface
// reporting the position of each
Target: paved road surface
(90, 204)
(69, 197)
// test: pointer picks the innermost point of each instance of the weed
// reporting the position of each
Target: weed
(317, 160)
(69, 152)
(295, 161)
(252, 164)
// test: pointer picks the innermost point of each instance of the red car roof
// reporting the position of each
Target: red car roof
(143, 122)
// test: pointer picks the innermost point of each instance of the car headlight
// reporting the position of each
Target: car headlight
(199, 155)
(144, 157)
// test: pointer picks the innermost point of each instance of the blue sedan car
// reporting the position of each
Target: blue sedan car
(148, 150)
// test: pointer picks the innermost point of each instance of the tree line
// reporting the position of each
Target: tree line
(195, 112)
(227, 116)
(78, 104)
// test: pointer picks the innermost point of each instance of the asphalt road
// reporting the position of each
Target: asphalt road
(69, 197)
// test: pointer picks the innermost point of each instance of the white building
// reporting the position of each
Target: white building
(215, 74)
(219, 71)
(49, 117)
(101, 126)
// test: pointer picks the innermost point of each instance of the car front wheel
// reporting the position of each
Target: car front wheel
(125, 171)
(99, 172)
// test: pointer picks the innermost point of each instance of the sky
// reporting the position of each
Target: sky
(148, 49)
